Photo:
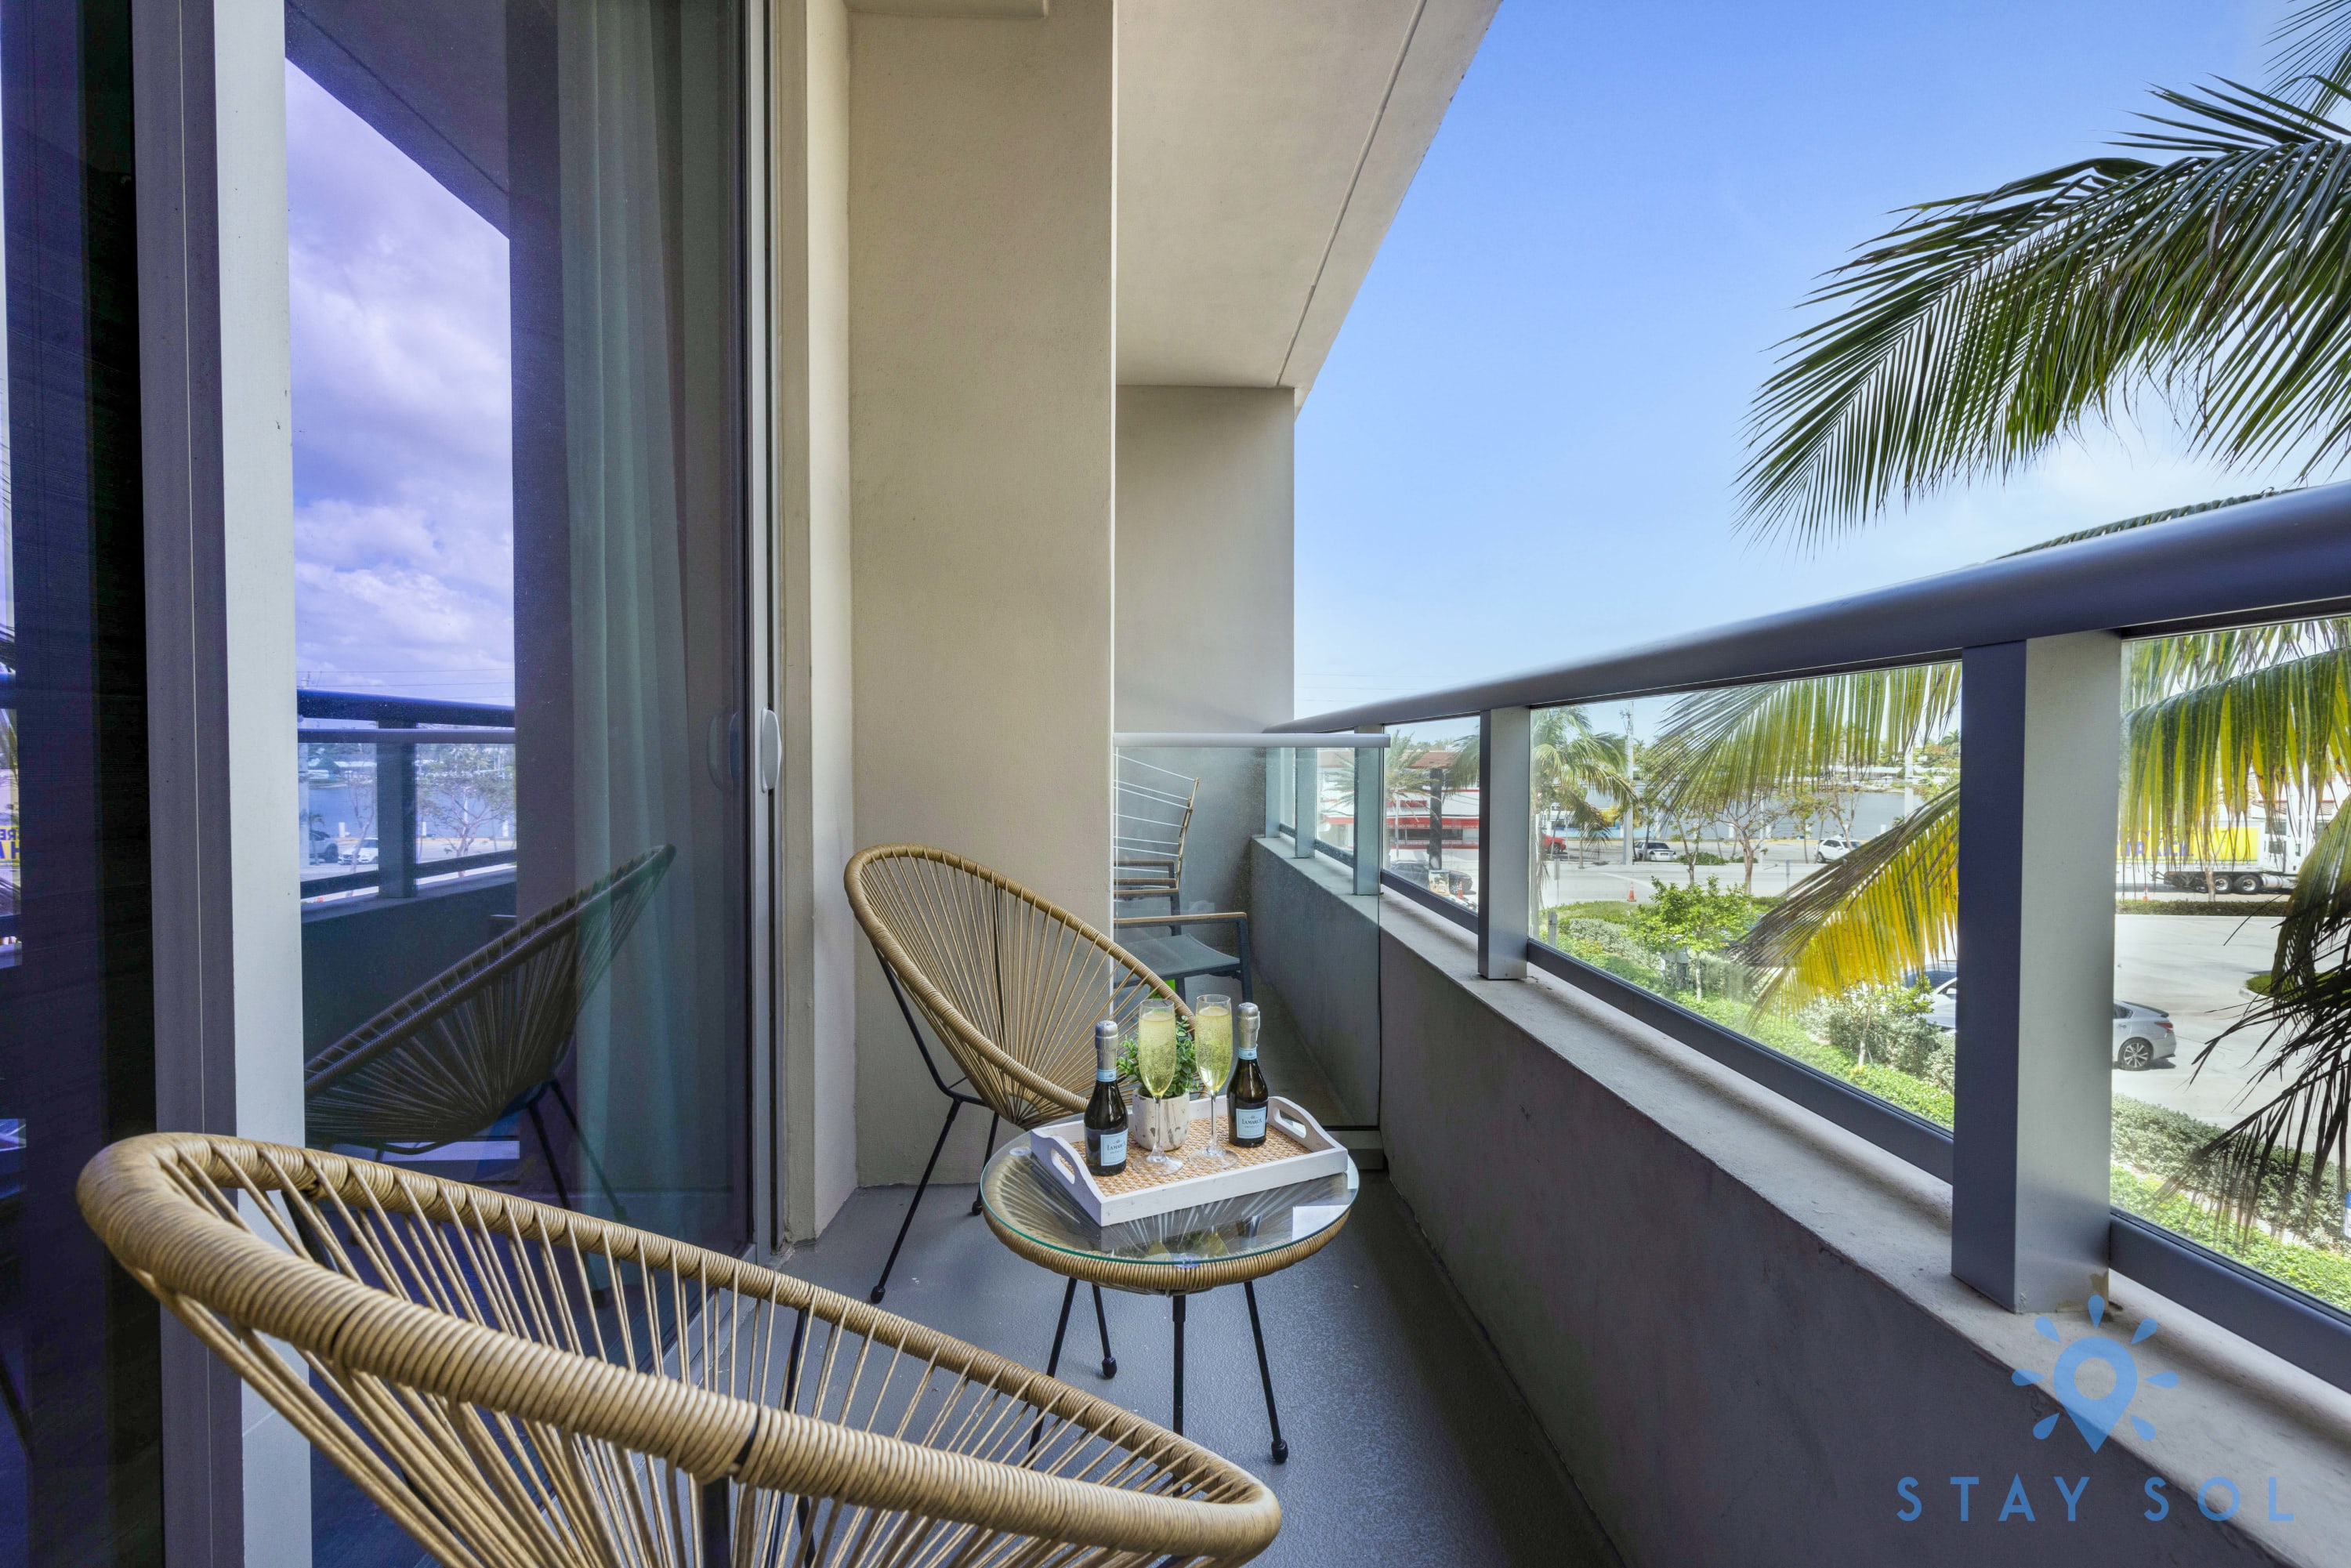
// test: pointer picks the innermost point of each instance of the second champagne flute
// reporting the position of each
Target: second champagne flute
(1212, 1049)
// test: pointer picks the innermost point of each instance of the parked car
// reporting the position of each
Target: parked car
(1835, 848)
(1654, 849)
(2143, 1035)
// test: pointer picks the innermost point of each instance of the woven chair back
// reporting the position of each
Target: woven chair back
(447, 1060)
(520, 1385)
(1011, 983)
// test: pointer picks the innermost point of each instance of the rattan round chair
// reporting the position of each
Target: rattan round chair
(455, 1361)
(1010, 982)
(485, 1036)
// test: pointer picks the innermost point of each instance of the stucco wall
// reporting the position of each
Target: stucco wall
(982, 422)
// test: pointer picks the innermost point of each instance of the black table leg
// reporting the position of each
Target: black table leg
(1265, 1375)
(1179, 1365)
(1053, 1367)
(1053, 1364)
(1110, 1361)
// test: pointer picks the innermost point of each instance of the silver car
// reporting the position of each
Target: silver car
(2143, 1035)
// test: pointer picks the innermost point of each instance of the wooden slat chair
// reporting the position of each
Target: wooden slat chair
(485, 1036)
(449, 1356)
(1012, 985)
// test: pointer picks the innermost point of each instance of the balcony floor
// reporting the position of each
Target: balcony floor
(1408, 1444)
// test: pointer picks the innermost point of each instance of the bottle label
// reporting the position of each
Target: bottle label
(1110, 1147)
(1249, 1121)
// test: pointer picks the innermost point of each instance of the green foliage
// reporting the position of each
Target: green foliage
(1885, 1026)
(1188, 1067)
(1687, 924)
(2324, 1273)
(2225, 908)
(1695, 919)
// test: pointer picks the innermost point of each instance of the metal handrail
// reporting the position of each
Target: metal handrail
(2275, 559)
(310, 702)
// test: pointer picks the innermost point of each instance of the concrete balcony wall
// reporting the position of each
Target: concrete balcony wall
(982, 422)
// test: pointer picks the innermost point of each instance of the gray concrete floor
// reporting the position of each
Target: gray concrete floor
(1407, 1443)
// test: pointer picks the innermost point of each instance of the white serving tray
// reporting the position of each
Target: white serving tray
(1058, 1151)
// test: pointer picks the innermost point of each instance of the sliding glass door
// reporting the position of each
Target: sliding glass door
(517, 307)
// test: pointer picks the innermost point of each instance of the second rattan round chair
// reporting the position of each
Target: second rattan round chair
(519, 1385)
(1010, 982)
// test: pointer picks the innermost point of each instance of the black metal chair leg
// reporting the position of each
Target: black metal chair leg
(881, 1285)
(1265, 1375)
(619, 1211)
(554, 1170)
(992, 1120)
(1179, 1365)
(1110, 1361)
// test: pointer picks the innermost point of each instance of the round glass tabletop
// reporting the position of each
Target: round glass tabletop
(1032, 1206)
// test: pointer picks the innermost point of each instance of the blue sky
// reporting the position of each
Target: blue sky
(1523, 446)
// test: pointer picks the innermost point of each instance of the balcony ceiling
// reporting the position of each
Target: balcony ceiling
(1264, 147)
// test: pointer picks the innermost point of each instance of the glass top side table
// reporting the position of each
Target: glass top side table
(1236, 1241)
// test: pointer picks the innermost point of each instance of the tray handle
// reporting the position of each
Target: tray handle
(1059, 1153)
(1295, 1129)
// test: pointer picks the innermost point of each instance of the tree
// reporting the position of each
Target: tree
(1694, 922)
(466, 788)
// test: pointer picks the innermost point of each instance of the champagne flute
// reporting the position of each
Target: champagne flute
(1212, 1049)
(1154, 1061)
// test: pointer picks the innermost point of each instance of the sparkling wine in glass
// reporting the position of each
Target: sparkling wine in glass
(1156, 1060)
(1212, 1049)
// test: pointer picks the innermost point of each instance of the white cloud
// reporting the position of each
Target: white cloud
(402, 420)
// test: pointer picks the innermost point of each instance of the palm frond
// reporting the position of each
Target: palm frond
(2204, 757)
(1883, 912)
(1981, 330)
(2167, 514)
(2312, 52)
(2307, 1020)
(1738, 740)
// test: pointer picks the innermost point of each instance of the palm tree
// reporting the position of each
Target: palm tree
(1578, 772)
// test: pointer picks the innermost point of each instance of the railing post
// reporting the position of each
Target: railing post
(1273, 791)
(1505, 816)
(2041, 724)
(1371, 815)
(395, 816)
(1306, 799)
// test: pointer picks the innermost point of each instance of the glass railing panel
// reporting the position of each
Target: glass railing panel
(1780, 859)
(1432, 790)
(2234, 757)
(1210, 900)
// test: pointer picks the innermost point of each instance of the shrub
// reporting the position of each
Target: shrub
(1885, 1026)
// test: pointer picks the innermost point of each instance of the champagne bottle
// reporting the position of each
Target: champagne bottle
(1106, 1111)
(1248, 1095)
